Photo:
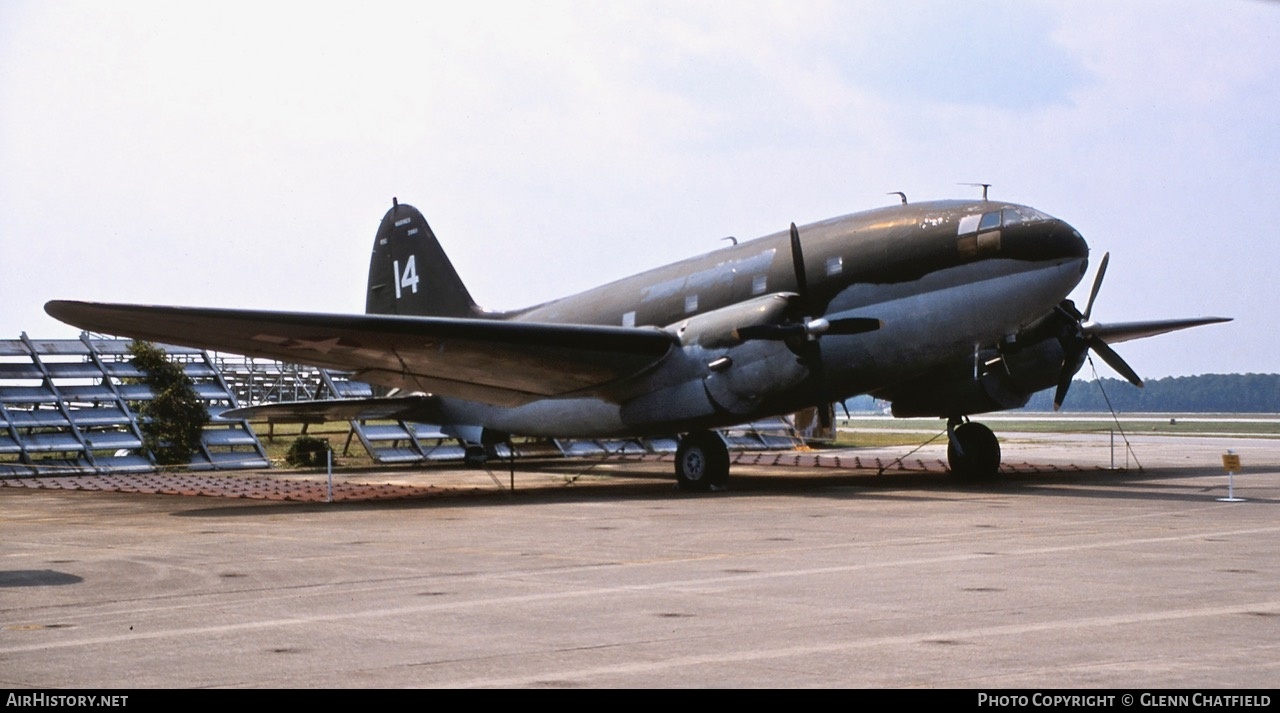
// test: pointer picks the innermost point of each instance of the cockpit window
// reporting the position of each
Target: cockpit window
(1012, 215)
(1023, 214)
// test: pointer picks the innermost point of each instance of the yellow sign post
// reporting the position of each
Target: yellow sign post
(1231, 464)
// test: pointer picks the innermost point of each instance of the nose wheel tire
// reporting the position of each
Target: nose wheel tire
(702, 462)
(973, 452)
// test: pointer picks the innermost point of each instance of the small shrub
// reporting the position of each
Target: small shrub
(173, 422)
(307, 452)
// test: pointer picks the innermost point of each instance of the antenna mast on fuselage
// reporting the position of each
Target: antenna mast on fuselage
(984, 187)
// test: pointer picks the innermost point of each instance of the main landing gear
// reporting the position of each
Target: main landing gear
(972, 449)
(702, 462)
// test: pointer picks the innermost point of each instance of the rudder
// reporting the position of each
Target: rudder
(409, 274)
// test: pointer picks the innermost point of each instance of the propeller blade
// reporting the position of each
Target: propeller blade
(812, 358)
(797, 261)
(1072, 358)
(1097, 283)
(1113, 360)
(1124, 331)
(1061, 394)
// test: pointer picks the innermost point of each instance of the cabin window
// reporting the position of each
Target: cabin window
(629, 319)
(835, 265)
(759, 284)
(990, 221)
(690, 304)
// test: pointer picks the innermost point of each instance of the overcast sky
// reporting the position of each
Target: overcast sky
(242, 154)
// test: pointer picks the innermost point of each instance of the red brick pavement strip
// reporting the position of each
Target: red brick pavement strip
(819, 460)
(258, 488)
(226, 487)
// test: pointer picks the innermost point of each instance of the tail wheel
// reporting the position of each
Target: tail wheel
(973, 451)
(702, 462)
(476, 457)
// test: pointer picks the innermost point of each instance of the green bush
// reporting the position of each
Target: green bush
(172, 422)
(306, 452)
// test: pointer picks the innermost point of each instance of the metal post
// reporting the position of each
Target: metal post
(511, 465)
(1231, 463)
(328, 454)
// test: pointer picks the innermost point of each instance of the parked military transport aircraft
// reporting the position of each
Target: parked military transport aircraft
(946, 308)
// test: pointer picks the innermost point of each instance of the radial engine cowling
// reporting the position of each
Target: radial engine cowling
(1007, 381)
(722, 373)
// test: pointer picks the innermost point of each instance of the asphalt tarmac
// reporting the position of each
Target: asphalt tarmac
(1062, 573)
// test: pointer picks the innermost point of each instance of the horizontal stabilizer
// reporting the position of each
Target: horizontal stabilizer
(411, 408)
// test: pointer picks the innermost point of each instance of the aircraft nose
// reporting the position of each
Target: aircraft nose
(1045, 240)
(1069, 240)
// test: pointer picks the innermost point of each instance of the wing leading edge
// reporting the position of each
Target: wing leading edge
(497, 362)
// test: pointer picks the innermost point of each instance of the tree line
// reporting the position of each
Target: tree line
(1206, 393)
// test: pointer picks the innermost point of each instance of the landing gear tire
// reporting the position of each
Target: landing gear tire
(476, 457)
(702, 462)
(973, 452)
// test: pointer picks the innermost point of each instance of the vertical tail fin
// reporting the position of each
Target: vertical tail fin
(409, 274)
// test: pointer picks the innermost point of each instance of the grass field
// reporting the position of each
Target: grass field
(875, 430)
(872, 431)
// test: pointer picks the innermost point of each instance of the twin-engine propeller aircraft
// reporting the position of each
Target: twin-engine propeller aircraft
(946, 309)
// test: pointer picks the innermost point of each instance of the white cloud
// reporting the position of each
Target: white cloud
(241, 154)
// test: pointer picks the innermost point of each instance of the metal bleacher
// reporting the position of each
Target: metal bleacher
(68, 406)
(390, 441)
(257, 381)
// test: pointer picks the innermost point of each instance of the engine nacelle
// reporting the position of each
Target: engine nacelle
(719, 329)
(1007, 383)
(724, 375)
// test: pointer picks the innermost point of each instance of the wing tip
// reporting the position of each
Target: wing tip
(62, 310)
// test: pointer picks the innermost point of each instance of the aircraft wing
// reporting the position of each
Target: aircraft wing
(1124, 331)
(497, 362)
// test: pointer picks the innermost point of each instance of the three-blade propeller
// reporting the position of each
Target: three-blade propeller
(809, 329)
(809, 325)
(1083, 338)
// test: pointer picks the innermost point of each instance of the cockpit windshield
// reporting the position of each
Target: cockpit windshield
(995, 219)
(1014, 215)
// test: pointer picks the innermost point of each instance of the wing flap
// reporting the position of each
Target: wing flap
(498, 362)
